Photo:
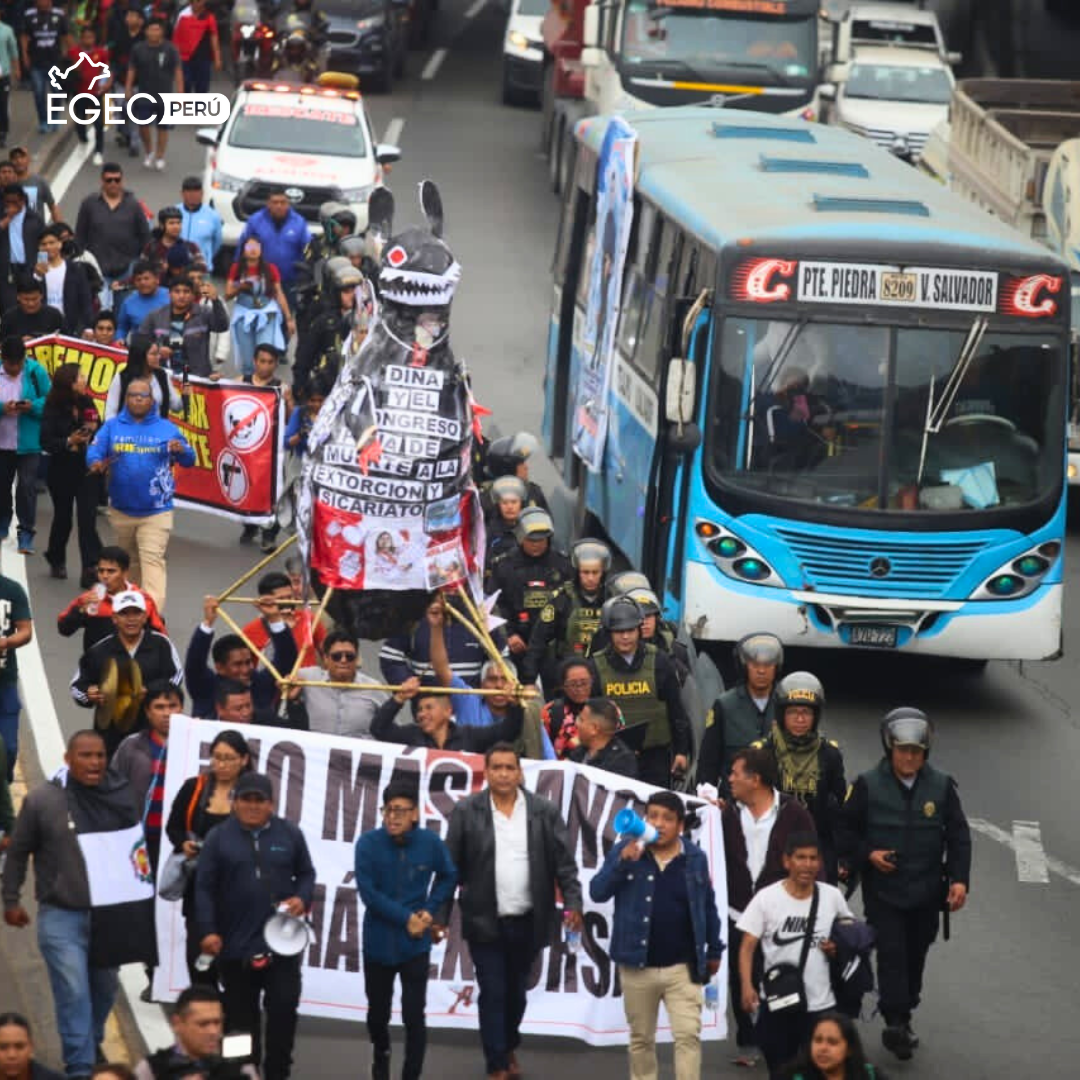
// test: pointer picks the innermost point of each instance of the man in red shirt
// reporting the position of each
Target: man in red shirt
(88, 80)
(276, 587)
(195, 36)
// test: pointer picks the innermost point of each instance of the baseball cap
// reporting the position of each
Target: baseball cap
(253, 783)
(129, 598)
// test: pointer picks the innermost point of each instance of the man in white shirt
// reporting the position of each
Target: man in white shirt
(779, 918)
(510, 848)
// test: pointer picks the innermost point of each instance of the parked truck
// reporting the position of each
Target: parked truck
(1014, 149)
(620, 55)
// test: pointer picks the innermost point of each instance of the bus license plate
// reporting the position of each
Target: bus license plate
(899, 288)
(877, 637)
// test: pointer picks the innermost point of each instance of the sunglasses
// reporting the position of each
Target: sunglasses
(112, 179)
(341, 657)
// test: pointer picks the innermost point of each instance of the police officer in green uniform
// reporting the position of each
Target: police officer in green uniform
(508, 496)
(509, 456)
(810, 767)
(741, 715)
(642, 681)
(566, 626)
(528, 577)
(903, 827)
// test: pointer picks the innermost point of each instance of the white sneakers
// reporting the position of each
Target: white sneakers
(97, 159)
(148, 161)
(160, 164)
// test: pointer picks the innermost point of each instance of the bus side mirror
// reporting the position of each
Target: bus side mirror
(680, 392)
(954, 58)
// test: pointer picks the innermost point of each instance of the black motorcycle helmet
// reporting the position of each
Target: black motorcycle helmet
(169, 213)
(800, 688)
(296, 47)
(620, 613)
(758, 648)
(505, 454)
(906, 726)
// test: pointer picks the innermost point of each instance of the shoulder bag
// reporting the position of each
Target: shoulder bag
(783, 990)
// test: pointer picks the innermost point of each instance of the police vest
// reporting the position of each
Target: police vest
(913, 827)
(742, 723)
(582, 622)
(635, 692)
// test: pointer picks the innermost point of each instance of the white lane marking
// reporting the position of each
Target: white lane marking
(68, 171)
(431, 68)
(1055, 866)
(392, 134)
(475, 8)
(1030, 856)
(37, 698)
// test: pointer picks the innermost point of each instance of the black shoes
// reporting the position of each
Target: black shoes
(58, 571)
(897, 1039)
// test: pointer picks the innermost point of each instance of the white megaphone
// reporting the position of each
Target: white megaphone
(285, 934)
(628, 824)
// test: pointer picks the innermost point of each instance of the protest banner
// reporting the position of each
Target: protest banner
(331, 786)
(236, 430)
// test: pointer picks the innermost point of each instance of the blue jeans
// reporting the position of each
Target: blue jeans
(83, 996)
(39, 83)
(502, 973)
(9, 724)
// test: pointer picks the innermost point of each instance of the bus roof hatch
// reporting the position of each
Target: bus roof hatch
(834, 203)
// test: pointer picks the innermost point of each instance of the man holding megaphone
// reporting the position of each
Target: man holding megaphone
(666, 933)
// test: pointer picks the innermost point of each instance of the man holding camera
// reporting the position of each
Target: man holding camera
(183, 326)
(251, 866)
(198, 1024)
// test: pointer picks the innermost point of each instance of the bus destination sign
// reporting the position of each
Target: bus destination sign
(770, 281)
(741, 7)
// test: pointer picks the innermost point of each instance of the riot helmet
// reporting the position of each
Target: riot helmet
(509, 487)
(534, 524)
(620, 613)
(800, 688)
(341, 273)
(645, 599)
(759, 648)
(906, 726)
(587, 550)
(626, 581)
(505, 454)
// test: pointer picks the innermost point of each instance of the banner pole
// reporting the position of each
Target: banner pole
(238, 630)
(518, 691)
(291, 539)
(310, 635)
(484, 637)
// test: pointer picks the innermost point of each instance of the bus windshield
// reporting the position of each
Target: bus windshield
(845, 415)
(698, 44)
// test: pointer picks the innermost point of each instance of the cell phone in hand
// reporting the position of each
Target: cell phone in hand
(42, 258)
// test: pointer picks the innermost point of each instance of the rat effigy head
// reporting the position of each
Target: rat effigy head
(417, 269)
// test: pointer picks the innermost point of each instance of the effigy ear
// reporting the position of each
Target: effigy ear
(381, 212)
(431, 203)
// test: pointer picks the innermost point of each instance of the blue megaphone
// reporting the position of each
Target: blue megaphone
(628, 824)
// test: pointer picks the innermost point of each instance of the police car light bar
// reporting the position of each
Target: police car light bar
(307, 91)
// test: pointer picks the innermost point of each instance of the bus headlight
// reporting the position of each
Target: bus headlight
(734, 557)
(1020, 576)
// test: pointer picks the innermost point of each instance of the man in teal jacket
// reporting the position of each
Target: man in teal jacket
(139, 448)
(24, 385)
(404, 874)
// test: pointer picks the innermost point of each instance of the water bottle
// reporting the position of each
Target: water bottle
(572, 938)
(712, 997)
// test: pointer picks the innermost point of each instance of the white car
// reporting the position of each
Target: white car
(523, 51)
(894, 96)
(315, 142)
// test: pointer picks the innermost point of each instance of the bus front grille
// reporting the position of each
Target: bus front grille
(879, 566)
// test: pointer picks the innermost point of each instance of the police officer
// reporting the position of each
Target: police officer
(642, 681)
(509, 456)
(566, 626)
(904, 829)
(338, 220)
(740, 716)
(319, 345)
(809, 767)
(508, 495)
(528, 577)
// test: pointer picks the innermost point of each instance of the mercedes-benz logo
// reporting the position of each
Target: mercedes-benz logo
(880, 567)
(294, 194)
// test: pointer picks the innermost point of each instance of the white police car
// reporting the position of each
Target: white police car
(316, 142)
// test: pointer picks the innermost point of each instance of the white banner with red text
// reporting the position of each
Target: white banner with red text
(331, 786)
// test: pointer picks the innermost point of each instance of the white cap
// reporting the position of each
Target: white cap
(129, 598)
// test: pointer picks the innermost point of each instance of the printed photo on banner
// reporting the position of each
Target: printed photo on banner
(614, 218)
(443, 516)
(391, 555)
(331, 787)
(445, 565)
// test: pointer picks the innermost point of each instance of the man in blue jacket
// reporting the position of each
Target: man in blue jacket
(666, 934)
(284, 236)
(148, 297)
(200, 223)
(250, 866)
(405, 875)
(140, 448)
(24, 385)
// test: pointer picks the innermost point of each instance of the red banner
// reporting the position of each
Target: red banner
(236, 430)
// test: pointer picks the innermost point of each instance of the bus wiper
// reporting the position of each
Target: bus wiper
(780, 78)
(936, 412)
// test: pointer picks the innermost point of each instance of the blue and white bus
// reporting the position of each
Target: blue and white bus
(837, 403)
